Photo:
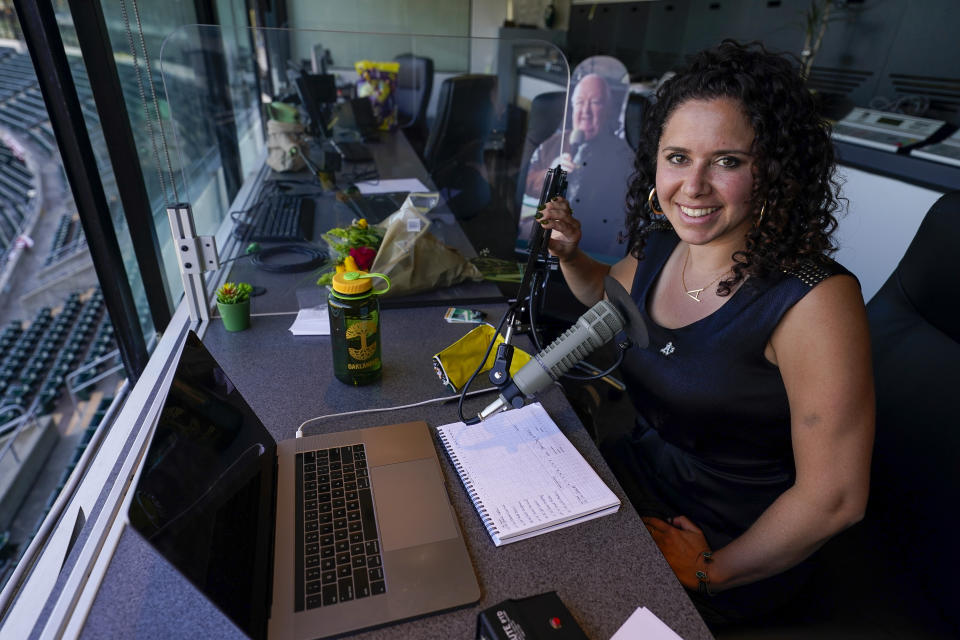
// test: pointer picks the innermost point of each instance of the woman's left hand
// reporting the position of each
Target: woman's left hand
(681, 542)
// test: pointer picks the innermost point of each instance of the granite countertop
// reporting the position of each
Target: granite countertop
(602, 569)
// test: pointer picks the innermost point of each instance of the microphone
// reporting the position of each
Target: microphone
(597, 326)
(577, 145)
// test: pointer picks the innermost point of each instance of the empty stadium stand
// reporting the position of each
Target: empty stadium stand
(35, 362)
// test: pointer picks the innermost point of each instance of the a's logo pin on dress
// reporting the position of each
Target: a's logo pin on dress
(668, 349)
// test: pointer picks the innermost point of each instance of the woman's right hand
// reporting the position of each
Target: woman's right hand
(558, 217)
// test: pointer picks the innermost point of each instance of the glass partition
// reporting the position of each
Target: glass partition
(426, 140)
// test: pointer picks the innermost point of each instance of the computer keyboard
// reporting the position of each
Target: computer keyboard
(281, 218)
(338, 547)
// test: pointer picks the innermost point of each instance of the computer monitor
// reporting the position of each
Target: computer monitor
(318, 92)
(355, 118)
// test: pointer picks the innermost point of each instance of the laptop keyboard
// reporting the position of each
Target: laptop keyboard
(282, 218)
(338, 546)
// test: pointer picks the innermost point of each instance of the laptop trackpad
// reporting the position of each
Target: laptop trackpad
(412, 504)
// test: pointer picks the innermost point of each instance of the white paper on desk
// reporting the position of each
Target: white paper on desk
(314, 321)
(392, 186)
(643, 623)
(523, 475)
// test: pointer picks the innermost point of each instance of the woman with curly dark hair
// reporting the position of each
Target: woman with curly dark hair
(754, 398)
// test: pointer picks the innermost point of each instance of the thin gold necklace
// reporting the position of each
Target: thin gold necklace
(695, 293)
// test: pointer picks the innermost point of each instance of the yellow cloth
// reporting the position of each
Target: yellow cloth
(456, 363)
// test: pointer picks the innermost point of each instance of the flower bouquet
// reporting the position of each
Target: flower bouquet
(352, 248)
(402, 248)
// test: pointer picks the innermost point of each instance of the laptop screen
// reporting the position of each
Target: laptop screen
(205, 498)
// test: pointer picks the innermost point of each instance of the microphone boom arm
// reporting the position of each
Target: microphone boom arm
(539, 264)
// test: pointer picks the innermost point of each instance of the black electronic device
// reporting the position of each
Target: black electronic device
(280, 218)
(885, 130)
(540, 617)
(231, 509)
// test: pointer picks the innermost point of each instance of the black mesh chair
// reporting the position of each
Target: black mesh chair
(414, 86)
(637, 106)
(891, 574)
(546, 115)
(915, 330)
(454, 150)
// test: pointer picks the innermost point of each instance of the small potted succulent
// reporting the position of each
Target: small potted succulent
(233, 303)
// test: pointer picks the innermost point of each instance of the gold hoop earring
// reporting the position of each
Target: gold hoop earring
(650, 200)
(763, 210)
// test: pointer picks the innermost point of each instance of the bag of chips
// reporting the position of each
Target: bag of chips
(377, 81)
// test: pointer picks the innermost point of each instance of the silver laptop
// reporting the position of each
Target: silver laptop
(305, 538)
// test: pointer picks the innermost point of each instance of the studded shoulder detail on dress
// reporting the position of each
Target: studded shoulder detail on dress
(811, 273)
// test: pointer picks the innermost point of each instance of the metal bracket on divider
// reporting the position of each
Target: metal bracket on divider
(195, 254)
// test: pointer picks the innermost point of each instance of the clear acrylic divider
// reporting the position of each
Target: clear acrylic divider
(359, 125)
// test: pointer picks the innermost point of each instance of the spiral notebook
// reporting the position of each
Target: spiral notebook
(523, 475)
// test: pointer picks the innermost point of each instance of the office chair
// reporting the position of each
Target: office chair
(637, 106)
(884, 577)
(546, 115)
(414, 87)
(454, 149)
(915, 331)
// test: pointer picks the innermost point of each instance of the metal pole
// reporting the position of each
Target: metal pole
(196, 254)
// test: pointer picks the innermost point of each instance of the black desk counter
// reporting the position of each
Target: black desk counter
(285, 292)
(602, 569)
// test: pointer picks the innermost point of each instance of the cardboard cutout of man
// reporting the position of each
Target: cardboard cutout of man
(595, 155)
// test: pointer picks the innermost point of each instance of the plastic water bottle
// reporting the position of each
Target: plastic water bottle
(354, 309)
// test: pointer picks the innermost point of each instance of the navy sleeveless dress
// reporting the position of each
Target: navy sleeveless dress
(712, 434)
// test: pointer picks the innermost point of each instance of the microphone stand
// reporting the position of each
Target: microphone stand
(552, 360)
(535, 275)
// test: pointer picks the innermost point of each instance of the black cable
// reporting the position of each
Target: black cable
(315, 255)
(534, 284)
(463, 391)
(616, 364)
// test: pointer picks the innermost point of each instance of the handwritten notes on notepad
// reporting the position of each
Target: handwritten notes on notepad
(523, 475)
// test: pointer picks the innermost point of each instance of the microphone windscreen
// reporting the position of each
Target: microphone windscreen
(636, 327)
(576, 136)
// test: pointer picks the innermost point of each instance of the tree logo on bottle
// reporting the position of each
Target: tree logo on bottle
(363, 329)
